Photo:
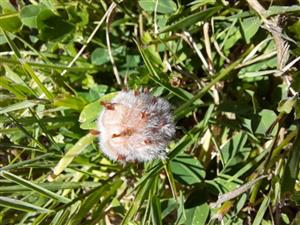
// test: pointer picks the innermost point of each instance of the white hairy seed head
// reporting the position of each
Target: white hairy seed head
(135, 126)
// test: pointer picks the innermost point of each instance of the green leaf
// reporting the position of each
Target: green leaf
(163, 6)
(99, 56)
(10, 22)
(51, 26)
(27, 68)
(295, 197)
(90, 112)
(34, 76)
(9, 18)
(168, 206)
(197, 215)
(9, 73)
(17, 90)
(285, 218)
(263, 121)
(153, 55)
(71, 102)
(233, 148)
(29, 15)
(21, 205)
(192, 19)
(258, 69)
(249, 27)
(40, 159)
(187, 170)
(287, 105)
(222, 74)
(224, 183)
(12, 44)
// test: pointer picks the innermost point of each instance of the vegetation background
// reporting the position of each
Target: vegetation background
(229, 68)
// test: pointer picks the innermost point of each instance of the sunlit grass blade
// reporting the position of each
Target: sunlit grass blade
(18, 106)
(4, 83)
(32, 74)
(71, 154)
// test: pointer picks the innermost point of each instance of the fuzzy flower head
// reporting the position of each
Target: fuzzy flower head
(135, 126)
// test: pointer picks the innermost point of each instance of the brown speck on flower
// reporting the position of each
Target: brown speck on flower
(107, 105)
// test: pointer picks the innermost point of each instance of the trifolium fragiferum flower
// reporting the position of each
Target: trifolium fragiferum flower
(135, 126)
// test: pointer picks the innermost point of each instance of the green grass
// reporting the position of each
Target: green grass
(230, 71)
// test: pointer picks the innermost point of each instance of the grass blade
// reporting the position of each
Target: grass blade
(26, 67)
(21, 205)
(54, 186)
(33, 187)
(192, 19)
(18, 106)
(261, 211)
